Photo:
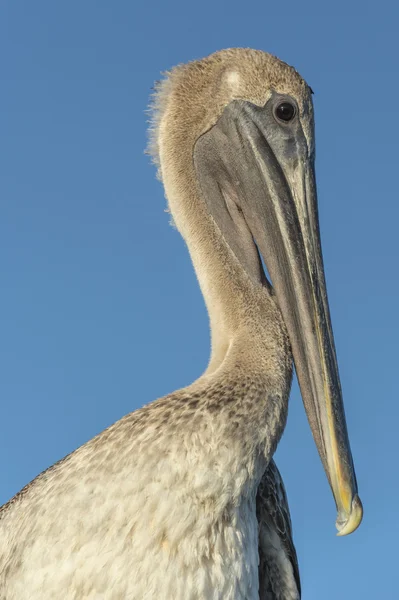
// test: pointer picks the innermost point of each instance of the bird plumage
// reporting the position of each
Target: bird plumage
(278, 564)
(181, 499)
(161, 504)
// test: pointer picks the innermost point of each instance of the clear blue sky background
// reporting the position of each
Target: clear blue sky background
(100, 308)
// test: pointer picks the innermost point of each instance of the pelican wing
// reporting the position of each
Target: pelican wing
(278, 563)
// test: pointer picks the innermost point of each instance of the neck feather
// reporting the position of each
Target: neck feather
(245, 321)
(249, 342)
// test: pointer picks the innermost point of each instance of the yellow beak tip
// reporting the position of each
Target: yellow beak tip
(354, 519)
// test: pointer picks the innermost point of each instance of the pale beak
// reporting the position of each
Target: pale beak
(272, 169)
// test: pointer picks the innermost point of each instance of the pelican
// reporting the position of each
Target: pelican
(181, 499)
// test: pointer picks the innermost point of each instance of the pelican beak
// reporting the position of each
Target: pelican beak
(271, 168)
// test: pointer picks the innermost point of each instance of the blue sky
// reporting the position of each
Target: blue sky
(101, 311)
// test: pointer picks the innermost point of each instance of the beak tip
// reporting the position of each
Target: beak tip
(353, 520)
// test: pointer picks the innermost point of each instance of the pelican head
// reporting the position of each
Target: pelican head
(234, 138)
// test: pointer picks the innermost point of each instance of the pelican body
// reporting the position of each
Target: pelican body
(181, 499)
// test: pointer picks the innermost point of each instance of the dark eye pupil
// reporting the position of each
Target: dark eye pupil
(285, 111)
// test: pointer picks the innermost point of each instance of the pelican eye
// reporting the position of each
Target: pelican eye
(285, 112)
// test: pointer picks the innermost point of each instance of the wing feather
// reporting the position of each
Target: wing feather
(278, 563)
